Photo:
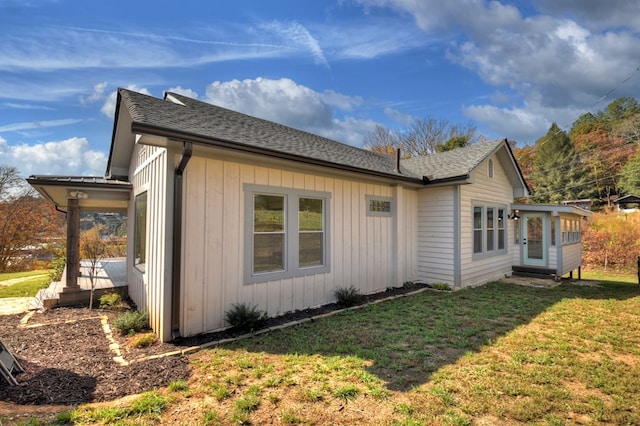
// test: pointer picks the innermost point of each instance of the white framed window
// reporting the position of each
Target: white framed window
(489, 229)
(490, 169)
(286, 233)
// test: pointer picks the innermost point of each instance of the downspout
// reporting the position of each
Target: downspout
(187, 150)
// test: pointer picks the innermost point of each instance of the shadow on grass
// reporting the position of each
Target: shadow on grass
(404, 341)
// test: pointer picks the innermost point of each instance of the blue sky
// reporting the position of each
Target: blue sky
(333, 67)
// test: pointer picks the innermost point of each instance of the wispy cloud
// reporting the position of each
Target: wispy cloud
(298, 36)
(31, 125)
(64, 48)
(26, 106)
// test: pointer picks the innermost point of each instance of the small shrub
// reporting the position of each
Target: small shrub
(409, 285)
(143, 340)
(244, 317)
(441, 286)
(110, 301)
(58, 264)
(131, 322)
(348, 296)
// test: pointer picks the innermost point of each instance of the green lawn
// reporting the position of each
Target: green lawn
(29, 287)
(497, 354)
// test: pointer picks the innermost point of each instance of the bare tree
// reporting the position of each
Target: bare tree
(382, 140)
(424, 136)
(629, 129)
(11, 184)
(93, 248)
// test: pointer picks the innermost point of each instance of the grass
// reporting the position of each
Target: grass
(32, 282)
(496, 354)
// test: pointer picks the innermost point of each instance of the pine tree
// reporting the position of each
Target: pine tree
(557, 170)
(629, 183)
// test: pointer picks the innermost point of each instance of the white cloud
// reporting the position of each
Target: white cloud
(72, 156)
(554, 65)
(109, 106)
(521, 122)
(96, 95)
(184, 92)
(282, 100)
(398, 116)
(286, 102)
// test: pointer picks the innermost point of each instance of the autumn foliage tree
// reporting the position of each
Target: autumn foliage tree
(27, 222)
(612, 242)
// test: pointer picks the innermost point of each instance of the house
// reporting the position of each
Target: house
(225, 208)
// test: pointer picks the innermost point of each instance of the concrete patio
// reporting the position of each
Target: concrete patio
(111, 275)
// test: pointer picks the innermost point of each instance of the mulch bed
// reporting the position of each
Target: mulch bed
(67, 359)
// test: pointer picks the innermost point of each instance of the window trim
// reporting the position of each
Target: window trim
(499, 230)
(291, 233)
(140, 266)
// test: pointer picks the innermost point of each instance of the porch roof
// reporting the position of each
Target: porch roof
(554, 209)
(93, 192)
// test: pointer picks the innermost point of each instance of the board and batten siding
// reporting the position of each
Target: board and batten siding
(151, 290)
(362, 249)
(436, 234)
(477, 270)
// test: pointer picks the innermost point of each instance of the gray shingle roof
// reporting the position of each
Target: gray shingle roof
(212, 123)
(208, 123)
(450, 165)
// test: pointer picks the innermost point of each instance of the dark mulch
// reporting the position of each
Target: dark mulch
(67, 359)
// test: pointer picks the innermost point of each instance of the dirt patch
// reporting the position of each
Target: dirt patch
(69, 359)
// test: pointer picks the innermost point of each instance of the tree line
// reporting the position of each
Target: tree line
(597, 159)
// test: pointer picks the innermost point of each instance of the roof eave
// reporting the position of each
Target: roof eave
(172, 134)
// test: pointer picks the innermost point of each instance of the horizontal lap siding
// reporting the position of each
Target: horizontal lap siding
(435, 235)
(571, 257)
(361, 247)
(149, 290)
(496, 190)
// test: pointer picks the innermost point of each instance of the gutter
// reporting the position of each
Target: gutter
(176, 269)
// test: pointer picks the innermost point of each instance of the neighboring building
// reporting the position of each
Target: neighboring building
(225, 208)
(628, 204)
(584, 204)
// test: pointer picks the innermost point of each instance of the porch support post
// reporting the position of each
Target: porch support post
(73, 245)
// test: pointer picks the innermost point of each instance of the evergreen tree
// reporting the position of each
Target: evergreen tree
(557, 171)
(629, 183)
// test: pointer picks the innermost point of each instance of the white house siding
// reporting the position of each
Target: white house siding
(436, 234)
(552, 256)
(151, 290)
(361, 248)
(497, 190)
(571, 257)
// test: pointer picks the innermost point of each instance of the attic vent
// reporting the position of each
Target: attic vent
(173, 99)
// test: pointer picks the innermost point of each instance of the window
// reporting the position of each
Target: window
(140, 231)
(285, 233)
(489, 229)
(570, 230)
(490, 169)
(268, 233)
(378, 206)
